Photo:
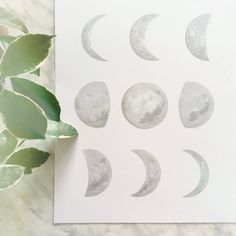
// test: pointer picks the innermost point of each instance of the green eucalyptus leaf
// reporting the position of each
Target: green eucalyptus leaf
(10, 175)
(25, 55)
(8, 143)
(5, 40)
(40, 95)
(60, 130)
(9, 19)
(29, 158)
(23, 117)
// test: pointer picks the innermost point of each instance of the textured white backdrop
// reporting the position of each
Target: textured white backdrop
(27, 209)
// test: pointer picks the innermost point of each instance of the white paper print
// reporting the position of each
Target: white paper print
(150, 87)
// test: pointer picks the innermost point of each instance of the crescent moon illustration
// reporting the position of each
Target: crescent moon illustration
(92, 104)
(196, 105)
(204, 179)
(195, 36)
(137, 37)
(153, 173)
(99, 171)
(86, 38)
(144, 105)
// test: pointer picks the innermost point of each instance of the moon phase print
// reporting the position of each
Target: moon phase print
(150, 87)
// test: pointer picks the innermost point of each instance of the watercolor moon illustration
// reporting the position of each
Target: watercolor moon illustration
(204, 170)
(196, 36)
(99, 172)
(137, 37)
(144, 105)
(196, 105)
(153, 173)
(86, 38)
(92, 104)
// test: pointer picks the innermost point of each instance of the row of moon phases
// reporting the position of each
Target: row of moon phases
(195, 37)
(100, 173)
(144, 105)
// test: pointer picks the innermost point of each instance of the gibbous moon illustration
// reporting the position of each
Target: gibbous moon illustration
(99, 171)
(92, 104)
(204, 179)
(144, 105)
(153, 173)
(196, 105)
(195, 36)
(86, 38)
(137, 37)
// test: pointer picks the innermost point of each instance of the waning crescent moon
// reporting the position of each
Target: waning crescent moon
(99, 171)
(204, 179)
(153, 173)
(196, 105)
(86, 38)
(137, 37)
(195, 36)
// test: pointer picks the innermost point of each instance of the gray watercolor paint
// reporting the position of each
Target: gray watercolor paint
(196, 105)
(99, 172)
(92, 104)
(144, 105)
(137, 37)
(204, 178)
(153, 173)
(86, 38)
(195, 37)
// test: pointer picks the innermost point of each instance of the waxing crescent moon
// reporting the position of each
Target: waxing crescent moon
(204, 179)
(86, 38)
(196, 105)
(137, 37)
(99, 172)
(153, 173)
(195, 36)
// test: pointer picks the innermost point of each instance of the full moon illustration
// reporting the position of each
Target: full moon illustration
(92, 104)
(144, 105)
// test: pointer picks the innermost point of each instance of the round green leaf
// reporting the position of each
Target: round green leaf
(29, 158)
(25, 54)
(40, 95)
(22, 117)
(9, 19)
(60, 130)
(10, 175)
(8, 143)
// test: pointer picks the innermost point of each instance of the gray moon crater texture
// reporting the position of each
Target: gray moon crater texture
(86, 38)
(153, 173)
(99, 172)
(196, 105)
(92, 104)
(204, 173)
(137, 37)
(196, 37)
(144, 105)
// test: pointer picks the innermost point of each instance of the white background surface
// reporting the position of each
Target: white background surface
(215, 141)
